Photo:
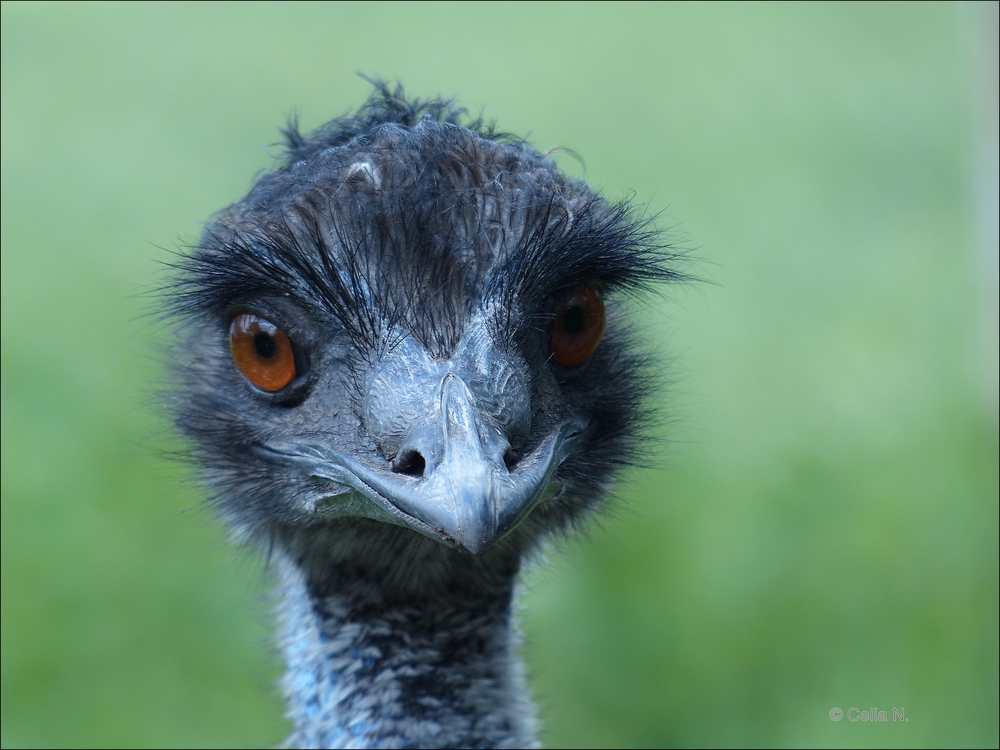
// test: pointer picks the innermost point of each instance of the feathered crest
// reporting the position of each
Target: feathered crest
(396, 214)
(385, 106)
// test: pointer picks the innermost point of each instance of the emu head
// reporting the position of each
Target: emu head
(413, 323)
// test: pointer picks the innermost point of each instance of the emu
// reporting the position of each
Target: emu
(403, 360)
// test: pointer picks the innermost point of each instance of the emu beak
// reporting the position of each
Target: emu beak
(464, 490)
(465, 496)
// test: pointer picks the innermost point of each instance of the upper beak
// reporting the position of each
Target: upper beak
(465, 495)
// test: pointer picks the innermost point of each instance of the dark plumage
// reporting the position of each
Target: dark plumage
(427, 438)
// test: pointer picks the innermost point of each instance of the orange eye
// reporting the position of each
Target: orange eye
(262, 352)
(578, 328)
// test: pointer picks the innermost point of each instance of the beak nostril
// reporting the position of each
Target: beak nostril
(410, 462)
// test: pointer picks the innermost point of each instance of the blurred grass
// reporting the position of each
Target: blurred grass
(823, 530)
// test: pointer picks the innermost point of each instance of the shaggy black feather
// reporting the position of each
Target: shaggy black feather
(397, 221)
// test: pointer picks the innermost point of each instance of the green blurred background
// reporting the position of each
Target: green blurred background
(821, 529)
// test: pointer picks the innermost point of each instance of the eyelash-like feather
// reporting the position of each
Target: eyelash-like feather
(462, 215)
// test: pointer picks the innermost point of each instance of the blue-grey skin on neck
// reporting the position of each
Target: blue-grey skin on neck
(428, 442)
(368, 669)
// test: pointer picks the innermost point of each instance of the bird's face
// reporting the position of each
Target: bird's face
(444, 446)
(427, 345)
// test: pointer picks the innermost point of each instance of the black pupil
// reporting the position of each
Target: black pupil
(574, 320)
(265, 346)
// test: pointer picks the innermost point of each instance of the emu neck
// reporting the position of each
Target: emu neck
(420, 652)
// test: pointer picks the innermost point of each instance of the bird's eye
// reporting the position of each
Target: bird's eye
(262, 351)
(578, 328)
